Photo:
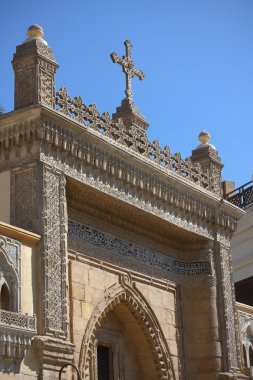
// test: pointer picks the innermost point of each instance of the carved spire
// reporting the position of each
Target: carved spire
(34, 66)
(128, 112)
(207, 156)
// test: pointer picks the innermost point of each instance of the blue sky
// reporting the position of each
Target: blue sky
(197, 56)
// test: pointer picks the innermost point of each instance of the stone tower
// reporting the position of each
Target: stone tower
(207, 156)
(34, 66)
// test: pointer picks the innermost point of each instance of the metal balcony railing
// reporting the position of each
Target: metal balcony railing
(22, 321)
(242, 196)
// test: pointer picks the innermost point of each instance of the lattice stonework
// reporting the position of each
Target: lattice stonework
(132, 138)
(54, 252)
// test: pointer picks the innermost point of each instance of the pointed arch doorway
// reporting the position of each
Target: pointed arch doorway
(123, 339)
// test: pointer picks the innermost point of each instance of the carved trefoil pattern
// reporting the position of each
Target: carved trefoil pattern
(54, 253)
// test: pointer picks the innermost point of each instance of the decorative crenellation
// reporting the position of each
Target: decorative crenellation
(131, 137)
(71, 154)
(88, 235)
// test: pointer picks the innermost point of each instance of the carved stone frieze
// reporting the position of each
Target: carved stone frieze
(54, 229)
(94, 166)
(131, 138)
(87, 240)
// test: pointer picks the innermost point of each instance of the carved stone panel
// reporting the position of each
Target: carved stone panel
(227, 306)
(54, 253)
(23, 195)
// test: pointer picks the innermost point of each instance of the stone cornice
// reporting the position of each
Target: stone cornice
(19, 234)
(70, 143)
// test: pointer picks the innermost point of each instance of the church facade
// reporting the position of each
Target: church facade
(114, 251)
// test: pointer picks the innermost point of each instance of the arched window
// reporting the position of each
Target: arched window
(4, 298)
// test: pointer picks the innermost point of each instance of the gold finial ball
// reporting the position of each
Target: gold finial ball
(35, 31)
(204, 137)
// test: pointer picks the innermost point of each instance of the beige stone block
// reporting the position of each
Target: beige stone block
(78, 291)
(79, 272)
(93, 295)
(203, 365)
(170, 317)
(96, 279)
(173, 347)
(202, 350)
(199, 292)
(79, 324)
(202, 321)
(156, 298)
(76, 306)
(78, 339)
(169, 300)
(201, 335)
(86, 310)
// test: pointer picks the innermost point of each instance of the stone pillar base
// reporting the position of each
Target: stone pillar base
(52, 354)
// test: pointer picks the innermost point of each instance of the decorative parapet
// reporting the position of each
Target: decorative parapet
(16, 333)
(131, 137)
(17, 320)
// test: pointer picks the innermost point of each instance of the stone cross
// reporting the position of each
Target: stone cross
(128, 68)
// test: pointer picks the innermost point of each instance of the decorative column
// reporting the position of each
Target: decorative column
(207, 156)
(228, 313)
(34, 66)
(52, 345)
(54, 252)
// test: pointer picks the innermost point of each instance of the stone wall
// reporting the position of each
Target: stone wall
(91, 289)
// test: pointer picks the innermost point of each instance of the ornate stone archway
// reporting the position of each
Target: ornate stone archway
(126, 292)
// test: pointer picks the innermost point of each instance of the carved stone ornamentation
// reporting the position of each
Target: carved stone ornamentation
(229, 314)
(127, 293)
(10, 270)
(54, 229)
(23, 197)
(34, 66)
(132, 138)
(88, 235)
